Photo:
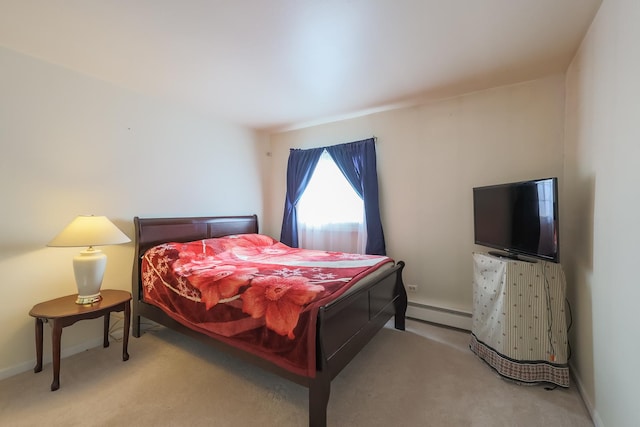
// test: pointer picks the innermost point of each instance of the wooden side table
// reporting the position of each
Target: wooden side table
(64, 312)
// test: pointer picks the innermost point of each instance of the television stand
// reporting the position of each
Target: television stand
(519, 325)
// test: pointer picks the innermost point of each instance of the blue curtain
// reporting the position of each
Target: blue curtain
(357, 161)
(300, 168)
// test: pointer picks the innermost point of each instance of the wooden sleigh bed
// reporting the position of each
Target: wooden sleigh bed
(342, 327)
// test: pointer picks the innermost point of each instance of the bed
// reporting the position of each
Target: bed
(336, 328)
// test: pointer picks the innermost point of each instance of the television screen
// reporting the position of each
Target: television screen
(518, 218)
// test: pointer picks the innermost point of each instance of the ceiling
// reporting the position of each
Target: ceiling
(277, 64)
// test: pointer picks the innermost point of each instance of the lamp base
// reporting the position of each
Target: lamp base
(88, 267)
(88, 299)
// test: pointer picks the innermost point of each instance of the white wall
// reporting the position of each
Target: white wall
(429, 159)
(74, 145)
(602, 152)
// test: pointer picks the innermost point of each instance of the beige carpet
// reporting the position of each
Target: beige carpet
(425, 376)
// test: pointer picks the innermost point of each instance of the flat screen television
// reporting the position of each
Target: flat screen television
(518, 218)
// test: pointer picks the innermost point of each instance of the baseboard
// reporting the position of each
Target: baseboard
(440, 315)
(597, 422)
(47, 358)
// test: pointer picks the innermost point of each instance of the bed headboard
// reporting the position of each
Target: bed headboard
(150, 232)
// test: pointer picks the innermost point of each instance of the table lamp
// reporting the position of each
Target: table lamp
(89, 265)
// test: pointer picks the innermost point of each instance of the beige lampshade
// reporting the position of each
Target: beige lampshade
(89, 265)
(89, 230)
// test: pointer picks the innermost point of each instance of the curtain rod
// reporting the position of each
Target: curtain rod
(375, 141)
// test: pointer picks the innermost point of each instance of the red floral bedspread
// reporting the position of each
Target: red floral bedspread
(252, 291)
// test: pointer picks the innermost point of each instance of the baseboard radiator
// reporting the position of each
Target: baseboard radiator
(440, 315)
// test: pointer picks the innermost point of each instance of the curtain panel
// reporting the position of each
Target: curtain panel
(357, 161)
(300, 168)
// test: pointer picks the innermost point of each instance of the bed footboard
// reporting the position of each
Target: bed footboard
(345, 327)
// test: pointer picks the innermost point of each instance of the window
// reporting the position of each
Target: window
(330, 213)
(358, 162)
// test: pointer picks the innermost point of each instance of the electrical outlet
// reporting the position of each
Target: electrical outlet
(412, 288)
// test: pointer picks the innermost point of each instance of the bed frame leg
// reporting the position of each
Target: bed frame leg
(135, 328)
(319, 391)
(401, 301)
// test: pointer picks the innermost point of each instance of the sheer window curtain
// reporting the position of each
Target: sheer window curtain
(330, 213)
(357, 161)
